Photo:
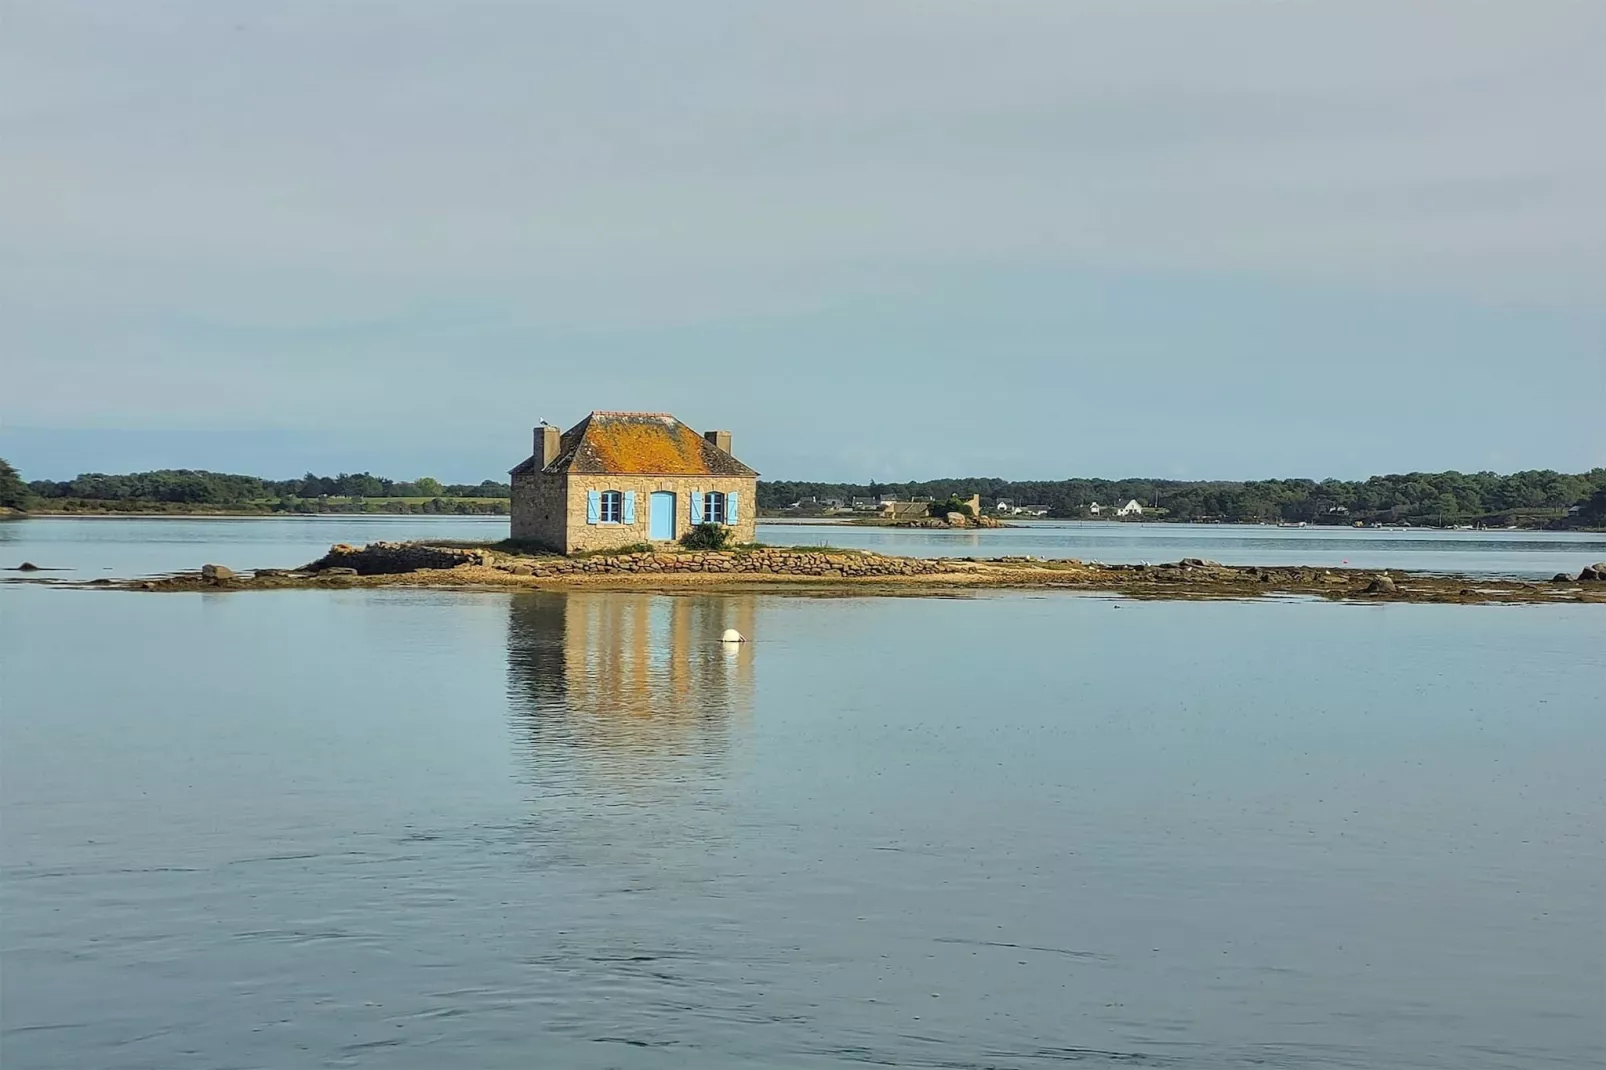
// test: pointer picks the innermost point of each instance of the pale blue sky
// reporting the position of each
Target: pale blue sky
(894, 240)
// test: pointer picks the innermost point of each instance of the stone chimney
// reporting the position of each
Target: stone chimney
(722, 439)
(548, 439)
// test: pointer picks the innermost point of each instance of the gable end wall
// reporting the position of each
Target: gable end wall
(540, 510)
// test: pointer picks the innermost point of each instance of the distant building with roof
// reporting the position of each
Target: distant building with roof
(619, 478)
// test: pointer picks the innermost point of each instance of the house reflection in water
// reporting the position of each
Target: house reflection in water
(641, 674)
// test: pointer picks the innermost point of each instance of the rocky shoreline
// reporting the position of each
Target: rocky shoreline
(385, 564)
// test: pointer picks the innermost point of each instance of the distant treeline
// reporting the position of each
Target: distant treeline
(1433, 498)
(169, 489)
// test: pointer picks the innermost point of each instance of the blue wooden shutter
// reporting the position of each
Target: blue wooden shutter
(696, 507)
(630, 507)
(731, 515)
(593, 507)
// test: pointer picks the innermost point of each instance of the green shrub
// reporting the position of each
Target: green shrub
(706, 536)
(13, 492)
(952, 505)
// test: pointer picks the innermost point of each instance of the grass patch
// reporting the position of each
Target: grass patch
(516, 547)
(618, 551)
(525, 548)
(822, 548)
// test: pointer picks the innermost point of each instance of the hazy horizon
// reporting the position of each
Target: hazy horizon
(1224, 240)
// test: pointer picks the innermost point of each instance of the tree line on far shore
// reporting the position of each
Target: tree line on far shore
(1536, 498)
(13, 491)
(171, 490)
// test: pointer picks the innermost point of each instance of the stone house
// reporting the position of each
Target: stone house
(619, 478)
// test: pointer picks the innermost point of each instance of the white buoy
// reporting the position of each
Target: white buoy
(732, 636)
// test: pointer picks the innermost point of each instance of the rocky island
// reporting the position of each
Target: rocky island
(833, 570)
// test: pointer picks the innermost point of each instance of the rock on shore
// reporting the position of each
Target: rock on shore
(951, 520)
(392, 558)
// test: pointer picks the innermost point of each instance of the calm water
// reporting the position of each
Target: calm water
(1528, 554)
(142, 546)
(399, 829)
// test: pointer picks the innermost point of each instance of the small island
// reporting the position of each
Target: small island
(508, 566)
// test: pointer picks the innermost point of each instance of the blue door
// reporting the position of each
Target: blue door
(661, 516)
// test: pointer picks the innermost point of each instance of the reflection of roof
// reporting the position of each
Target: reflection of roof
(639, 443)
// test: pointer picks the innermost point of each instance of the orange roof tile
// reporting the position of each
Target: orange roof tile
(640, 443)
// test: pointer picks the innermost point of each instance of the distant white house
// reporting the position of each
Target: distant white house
(1004, 506)
(1131, 508)
(1031, 510)
(1095, 509)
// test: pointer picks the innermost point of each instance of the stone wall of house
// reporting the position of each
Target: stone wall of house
(580, 536)
(539, 511)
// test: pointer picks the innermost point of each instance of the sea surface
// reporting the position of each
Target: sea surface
(1522, 554)
(137, 546)
(424, 829)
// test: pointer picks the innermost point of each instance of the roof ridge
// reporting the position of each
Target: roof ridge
(626, 412)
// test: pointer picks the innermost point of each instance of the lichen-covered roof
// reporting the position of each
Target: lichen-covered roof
(639, 443)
